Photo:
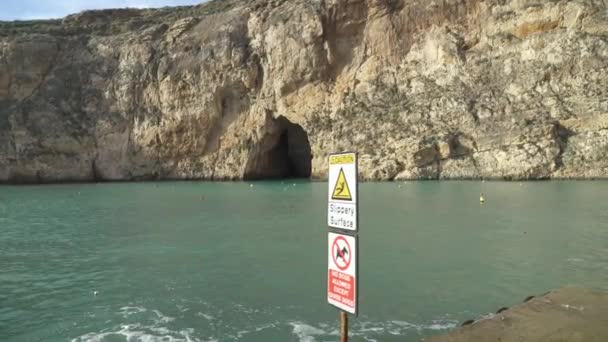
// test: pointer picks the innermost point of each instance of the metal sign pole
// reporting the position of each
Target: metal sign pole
(343, 326)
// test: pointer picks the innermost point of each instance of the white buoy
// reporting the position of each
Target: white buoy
(251, 185)
(95, 293)
(481, 198)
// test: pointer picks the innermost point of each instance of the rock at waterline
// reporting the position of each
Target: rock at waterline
(567, 314)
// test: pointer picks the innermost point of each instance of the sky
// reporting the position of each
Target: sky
(43, 9)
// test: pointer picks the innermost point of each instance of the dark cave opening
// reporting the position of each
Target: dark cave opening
(285, 154)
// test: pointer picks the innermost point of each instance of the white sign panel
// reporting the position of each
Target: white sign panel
(342, 272)
(342, 209)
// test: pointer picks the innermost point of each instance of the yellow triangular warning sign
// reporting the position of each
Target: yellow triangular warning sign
(341, 189)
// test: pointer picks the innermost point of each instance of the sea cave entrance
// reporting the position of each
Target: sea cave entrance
(283, 154)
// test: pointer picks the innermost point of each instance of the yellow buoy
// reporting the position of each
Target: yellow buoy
(481, 198)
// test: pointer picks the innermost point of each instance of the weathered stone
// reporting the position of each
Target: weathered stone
(232, 89)
(567, 314)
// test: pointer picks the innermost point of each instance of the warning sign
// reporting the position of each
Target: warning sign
(342, 206)
(342, 272)
(341, 190)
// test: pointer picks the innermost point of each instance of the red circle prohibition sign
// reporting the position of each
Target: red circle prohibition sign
(344, 253)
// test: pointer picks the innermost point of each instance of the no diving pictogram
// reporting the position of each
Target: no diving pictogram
(341, 253)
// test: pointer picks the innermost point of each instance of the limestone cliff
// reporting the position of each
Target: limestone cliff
(513, 89)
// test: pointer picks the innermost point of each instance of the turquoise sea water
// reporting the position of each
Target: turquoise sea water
(229, 262)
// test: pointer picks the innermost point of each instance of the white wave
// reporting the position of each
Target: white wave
(485, 317)
(305, 332)
(156, 332)
(248, 310)
(575, 260)
(403, 324)
(137, 333)
(399, 327)
(265, 326)
(162, 318)
(240, 334)
(440, 326)
(369, 331)
(182, 308)
(126, 311)
(205, 316)
(364, 330)
(154, 326)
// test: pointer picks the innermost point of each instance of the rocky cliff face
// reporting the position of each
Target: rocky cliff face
(513, 89)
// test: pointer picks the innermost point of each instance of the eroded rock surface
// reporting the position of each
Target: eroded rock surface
(511, 89)
(567, 314)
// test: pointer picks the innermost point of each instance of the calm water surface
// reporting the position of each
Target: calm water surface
(230, 262)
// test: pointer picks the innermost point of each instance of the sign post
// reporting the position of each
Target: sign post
(343, 221)
(343, 327)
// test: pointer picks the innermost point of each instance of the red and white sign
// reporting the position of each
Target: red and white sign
(342, 272)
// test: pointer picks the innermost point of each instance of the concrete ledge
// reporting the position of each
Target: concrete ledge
(564, 315)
